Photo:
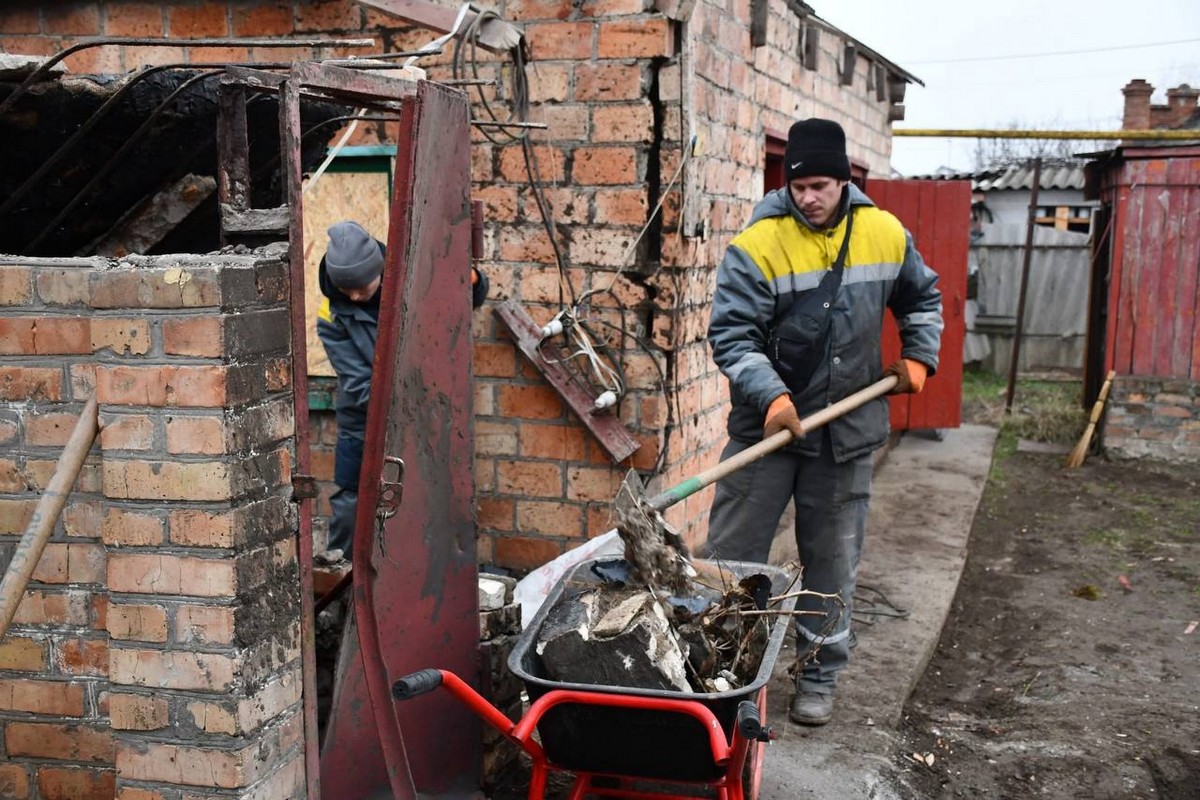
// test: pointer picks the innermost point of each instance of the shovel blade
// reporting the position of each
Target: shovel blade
(632, 490)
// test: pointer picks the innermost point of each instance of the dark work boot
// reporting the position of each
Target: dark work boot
(811, 708)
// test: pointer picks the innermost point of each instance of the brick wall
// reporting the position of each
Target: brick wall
(156, 651)
(1153, 418)
(622, 88)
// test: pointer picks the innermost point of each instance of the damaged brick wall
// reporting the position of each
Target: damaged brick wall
(622, 87)
(156, 651)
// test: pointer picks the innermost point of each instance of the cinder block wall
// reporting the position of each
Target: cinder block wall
(622, 88)
(156, 651)
(1153, 418)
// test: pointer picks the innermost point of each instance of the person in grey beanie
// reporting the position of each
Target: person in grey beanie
(350, 275)
(797, 320)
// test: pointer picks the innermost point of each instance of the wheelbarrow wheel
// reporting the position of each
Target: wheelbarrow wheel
(752, 769)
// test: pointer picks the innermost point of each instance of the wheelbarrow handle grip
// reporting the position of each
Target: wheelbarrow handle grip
(417, 683)
(749, 723)
(751, 454)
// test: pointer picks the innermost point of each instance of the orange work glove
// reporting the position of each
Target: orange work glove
(781, 415)
(911, 374)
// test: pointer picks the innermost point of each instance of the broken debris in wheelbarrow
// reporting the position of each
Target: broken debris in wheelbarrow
(594, 738)
(639, 742)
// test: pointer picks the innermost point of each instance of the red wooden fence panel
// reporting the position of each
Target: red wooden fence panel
(937, 214)
(1154, 327)
(1151, 199)
(1184, 321)
(1191, 260)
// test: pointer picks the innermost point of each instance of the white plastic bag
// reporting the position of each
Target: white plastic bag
(533, 589)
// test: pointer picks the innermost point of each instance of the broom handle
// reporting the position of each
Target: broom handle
(1098, 406)
(751, 454)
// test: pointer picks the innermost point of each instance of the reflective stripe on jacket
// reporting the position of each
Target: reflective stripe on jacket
(779, 255)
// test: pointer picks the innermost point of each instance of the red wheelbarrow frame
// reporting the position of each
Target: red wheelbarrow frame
(728, 755)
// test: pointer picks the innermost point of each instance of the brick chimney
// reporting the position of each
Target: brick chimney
(1181, 103)
(1137, 105)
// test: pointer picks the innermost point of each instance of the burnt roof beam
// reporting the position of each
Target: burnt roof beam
(138, 41)
(328, 82)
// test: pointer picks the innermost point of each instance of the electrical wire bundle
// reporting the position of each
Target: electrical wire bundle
(602, 371)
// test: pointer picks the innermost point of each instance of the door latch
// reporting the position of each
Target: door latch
(391, 487)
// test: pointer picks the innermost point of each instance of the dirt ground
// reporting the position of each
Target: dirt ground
(1070, 664)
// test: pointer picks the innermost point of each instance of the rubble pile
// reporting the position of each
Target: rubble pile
(615, 632)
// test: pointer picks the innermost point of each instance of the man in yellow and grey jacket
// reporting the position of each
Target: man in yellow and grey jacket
(797, 250)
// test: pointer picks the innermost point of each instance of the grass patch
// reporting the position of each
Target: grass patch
(1135, 542)
(1042, 410)
(1109, 537)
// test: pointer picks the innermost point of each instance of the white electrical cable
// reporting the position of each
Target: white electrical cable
(564, 322)
(436, 44)
(337, 148)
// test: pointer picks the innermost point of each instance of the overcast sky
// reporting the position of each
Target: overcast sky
(988, 65)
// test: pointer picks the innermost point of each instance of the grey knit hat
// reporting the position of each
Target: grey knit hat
(354, 257)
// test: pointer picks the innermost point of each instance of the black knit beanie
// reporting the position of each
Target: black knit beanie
(816, 147)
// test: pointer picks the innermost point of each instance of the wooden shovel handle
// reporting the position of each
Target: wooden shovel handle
(751, 454)
(29, 551)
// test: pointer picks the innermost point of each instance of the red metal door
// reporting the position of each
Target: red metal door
(415, 583)
(938, 215)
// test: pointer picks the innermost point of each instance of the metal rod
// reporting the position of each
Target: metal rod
(1026, 260)
(341, 62)
(289, 146)
(483, 123)
(45, 516)
(985, 133)
(341, 586)
(102, 173)
(135, 41)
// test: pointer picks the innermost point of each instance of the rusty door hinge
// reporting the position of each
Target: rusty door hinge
(304, 487)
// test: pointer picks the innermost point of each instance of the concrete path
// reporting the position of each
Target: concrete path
(925, 496)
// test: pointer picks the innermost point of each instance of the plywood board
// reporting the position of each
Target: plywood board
(337, 196)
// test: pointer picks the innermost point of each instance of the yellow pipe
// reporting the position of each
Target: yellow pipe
(984, 133)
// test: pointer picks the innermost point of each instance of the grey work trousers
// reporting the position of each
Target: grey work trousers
(344, 505)
(831, 517)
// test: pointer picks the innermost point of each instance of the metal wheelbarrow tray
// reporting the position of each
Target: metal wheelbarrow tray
(614, 738)
(648, 743)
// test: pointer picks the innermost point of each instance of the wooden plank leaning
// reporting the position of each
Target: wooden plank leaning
(45, 516)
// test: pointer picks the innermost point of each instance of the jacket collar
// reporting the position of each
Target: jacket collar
(779, 203)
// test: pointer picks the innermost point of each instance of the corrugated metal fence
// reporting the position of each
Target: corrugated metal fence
(1055, 304)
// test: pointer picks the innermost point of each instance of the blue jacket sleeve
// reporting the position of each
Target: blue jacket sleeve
(916, 302)
(743, 306)
(351, 351)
